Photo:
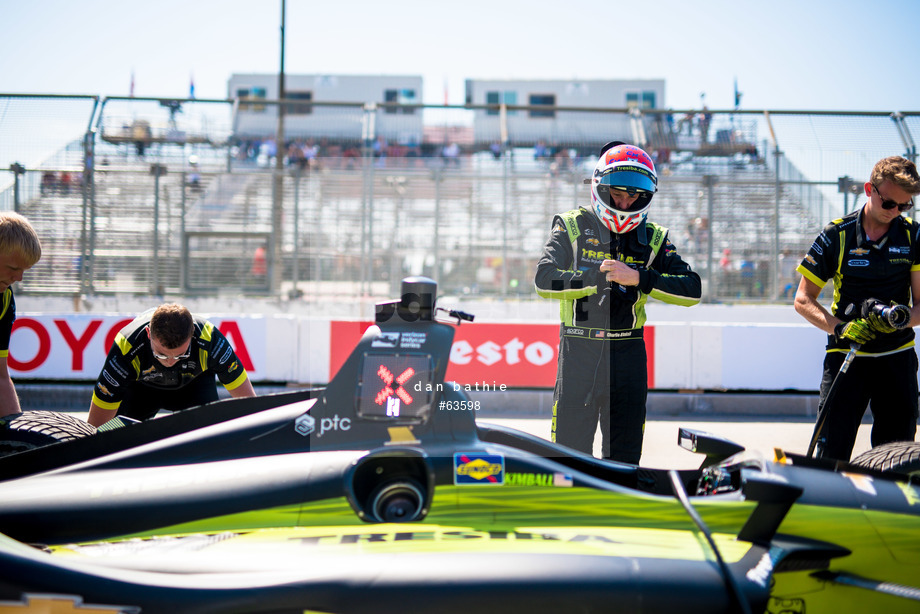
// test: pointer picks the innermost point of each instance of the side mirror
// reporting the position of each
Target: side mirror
(714, 448)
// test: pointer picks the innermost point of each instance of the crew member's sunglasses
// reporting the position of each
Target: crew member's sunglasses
(890, 204)
(188, 352)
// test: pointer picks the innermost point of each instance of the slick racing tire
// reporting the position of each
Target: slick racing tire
(34, 429)
(898, 456)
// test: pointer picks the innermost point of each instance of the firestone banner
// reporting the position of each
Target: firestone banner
(484, 356)
(487, 356)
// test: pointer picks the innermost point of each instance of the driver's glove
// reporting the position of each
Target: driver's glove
(879, 324)
(857, 331)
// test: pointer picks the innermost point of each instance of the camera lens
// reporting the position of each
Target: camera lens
(397, 502)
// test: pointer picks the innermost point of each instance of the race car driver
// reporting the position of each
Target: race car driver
(165, 359)
(602, 263)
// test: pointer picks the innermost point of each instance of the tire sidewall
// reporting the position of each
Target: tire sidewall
(898, 457)
(34, 429)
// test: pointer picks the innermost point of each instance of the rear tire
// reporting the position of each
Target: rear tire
(34, 429)
(898, 456)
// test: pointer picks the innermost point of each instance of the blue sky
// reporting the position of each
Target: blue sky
(833, 55)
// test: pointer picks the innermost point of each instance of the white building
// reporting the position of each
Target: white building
(347, 121)
(578, 118)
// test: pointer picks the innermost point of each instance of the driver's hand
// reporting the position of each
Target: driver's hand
(620, 273)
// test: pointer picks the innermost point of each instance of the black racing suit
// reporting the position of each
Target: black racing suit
(602, 368)
(138, 385)
(883, 374)
(7, 317)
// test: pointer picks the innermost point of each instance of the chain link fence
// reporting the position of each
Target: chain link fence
(192, 197)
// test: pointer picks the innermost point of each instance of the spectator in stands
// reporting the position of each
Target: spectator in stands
(296, 157)
(602, 264)
(140, 131)
(451, 154)
(787, 274)
(259, 269)
(311, 153)
(65, 182)
(194, 175)
(705, 120)
(267, 152)
(726, 272)
(746, 274)
(698, 231)
(351, 155)
(380, 150)
(560, 163)
(49, 183)
(540, 151)
(166, 358)
(20, 249)
(872, 253)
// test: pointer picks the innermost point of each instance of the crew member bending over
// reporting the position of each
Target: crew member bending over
(165, 359)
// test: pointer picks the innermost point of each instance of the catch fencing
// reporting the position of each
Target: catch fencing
(190, 197)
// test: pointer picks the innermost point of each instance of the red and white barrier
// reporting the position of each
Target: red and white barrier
(300, 349)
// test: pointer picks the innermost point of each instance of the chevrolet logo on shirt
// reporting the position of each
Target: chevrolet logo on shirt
(859, 251)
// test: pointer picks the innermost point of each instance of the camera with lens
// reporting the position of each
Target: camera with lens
(897, 316)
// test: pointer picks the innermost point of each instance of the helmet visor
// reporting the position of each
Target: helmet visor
(630, 179)
(640, 203)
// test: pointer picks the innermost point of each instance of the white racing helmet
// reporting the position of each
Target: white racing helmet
(628, 168)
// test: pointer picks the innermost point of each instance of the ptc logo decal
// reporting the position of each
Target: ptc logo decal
(305, 425)
(334, 423)
(479, 469)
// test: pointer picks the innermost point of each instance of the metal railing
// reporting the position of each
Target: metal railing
(183, 197)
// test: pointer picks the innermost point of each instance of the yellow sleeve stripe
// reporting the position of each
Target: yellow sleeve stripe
(122, 342)
(674, 299)
(105, 404)
(237, 382)
(811, 276)
(206, 331)
(570, 294)
(7, 297)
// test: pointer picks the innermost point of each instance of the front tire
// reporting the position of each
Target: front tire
(897, 456)
(33, 429)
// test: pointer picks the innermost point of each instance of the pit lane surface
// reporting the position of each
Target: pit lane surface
(660, 449)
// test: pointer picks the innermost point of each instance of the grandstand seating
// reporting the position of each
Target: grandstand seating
(477, 223)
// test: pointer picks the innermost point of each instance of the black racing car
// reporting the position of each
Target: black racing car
(382, 493)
